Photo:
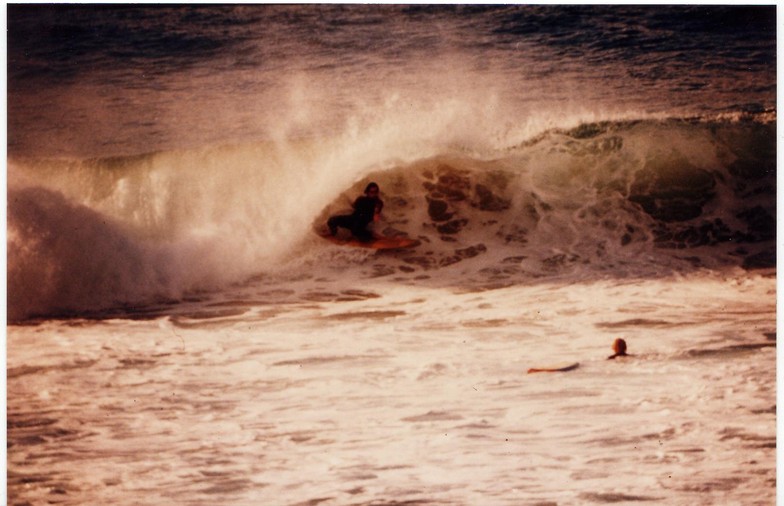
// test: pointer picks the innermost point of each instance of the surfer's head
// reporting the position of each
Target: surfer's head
(371, 190)
(619, 347)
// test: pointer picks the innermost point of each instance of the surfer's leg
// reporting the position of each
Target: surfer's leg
(339, 221)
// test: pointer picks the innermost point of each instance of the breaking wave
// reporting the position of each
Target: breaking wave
(616, 198)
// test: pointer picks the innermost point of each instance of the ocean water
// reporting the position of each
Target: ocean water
(179, 332)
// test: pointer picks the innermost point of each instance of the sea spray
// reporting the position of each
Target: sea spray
(157, 225)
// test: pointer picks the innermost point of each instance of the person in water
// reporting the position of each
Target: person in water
(367, 208)
(619, 349)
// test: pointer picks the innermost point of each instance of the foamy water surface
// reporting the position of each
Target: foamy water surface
(395, 394)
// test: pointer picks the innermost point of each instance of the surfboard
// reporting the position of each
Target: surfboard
(566, 366)
(377, 243)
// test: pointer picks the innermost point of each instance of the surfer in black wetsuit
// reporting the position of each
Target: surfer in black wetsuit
(367, 208)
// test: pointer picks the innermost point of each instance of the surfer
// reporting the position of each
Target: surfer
(367, 208)
(619, 349)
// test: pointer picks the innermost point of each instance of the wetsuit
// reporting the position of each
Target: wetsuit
(365, 209)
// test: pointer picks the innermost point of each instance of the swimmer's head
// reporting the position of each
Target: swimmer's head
(619, 346)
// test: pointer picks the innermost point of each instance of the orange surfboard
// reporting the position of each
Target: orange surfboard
(566, 366)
